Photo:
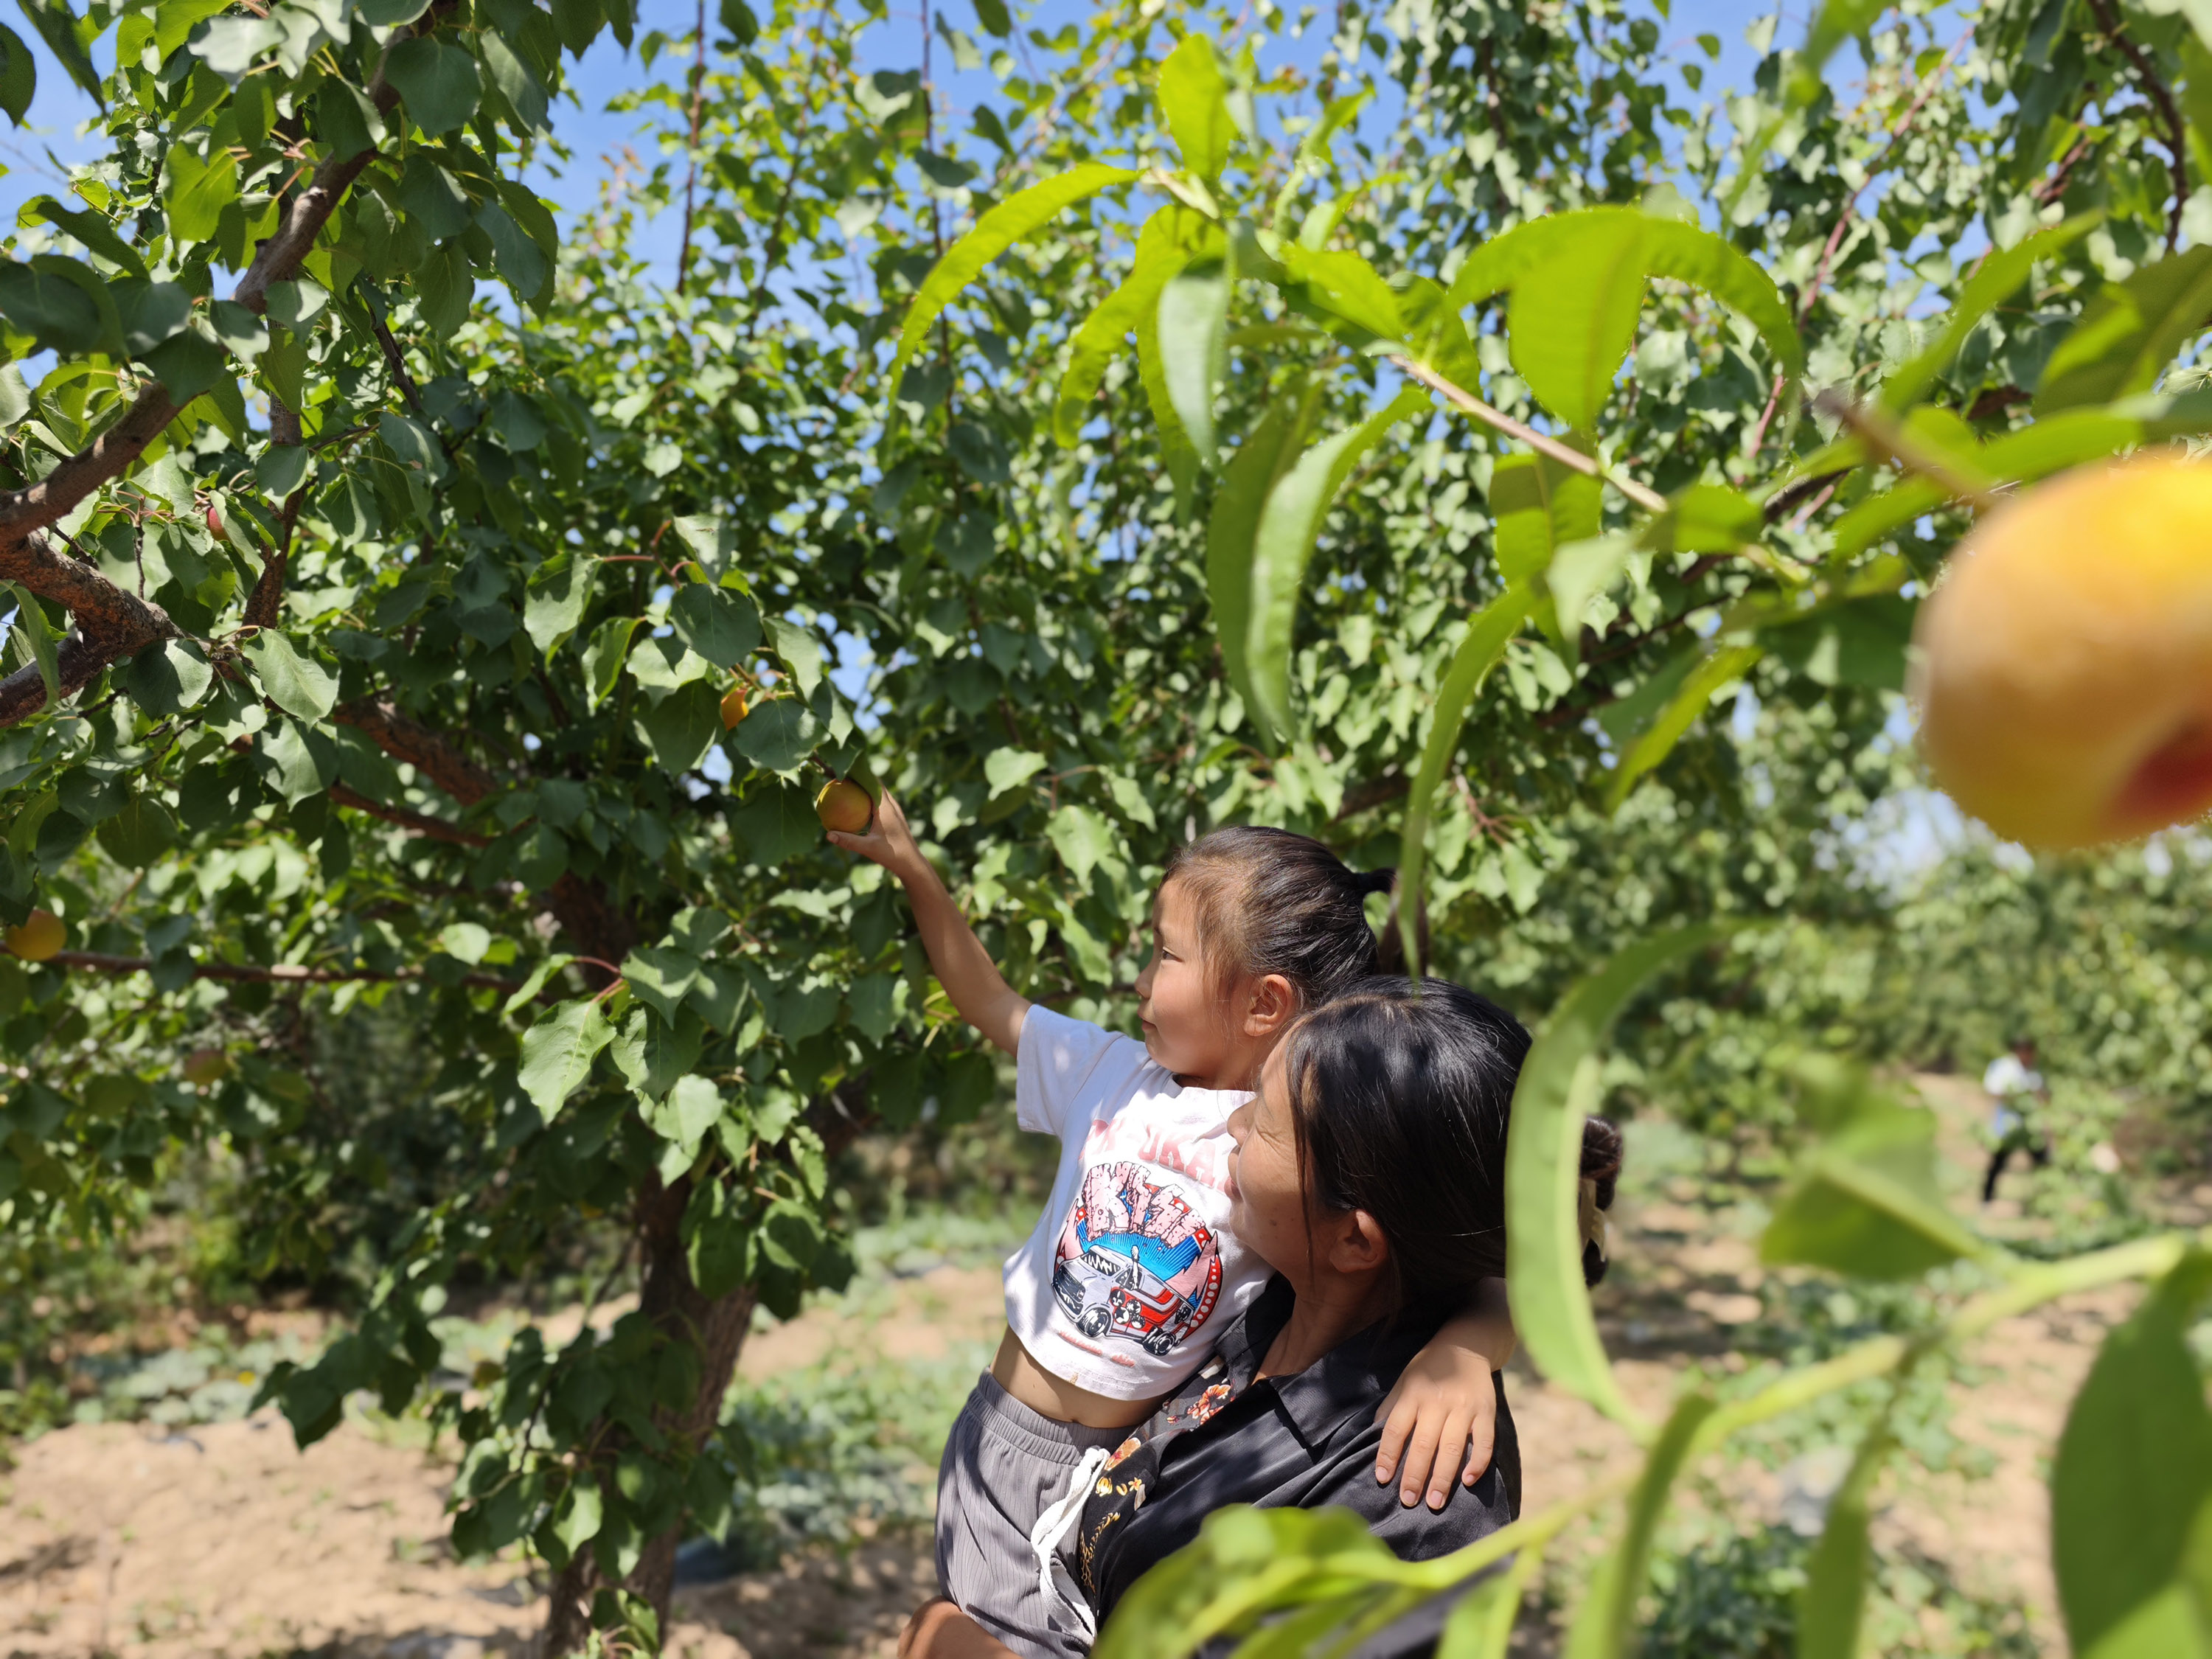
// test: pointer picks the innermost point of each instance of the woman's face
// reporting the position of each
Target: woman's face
(1186, 1023)
(1267, 1204)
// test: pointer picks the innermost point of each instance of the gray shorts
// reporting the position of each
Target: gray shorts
(1003, 1467)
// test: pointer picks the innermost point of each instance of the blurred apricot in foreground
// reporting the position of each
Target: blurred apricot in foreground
(2063, 668)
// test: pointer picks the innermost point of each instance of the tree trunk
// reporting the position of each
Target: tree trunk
(680, 1314)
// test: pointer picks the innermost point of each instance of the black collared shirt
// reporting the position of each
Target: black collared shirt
(1302, 1441)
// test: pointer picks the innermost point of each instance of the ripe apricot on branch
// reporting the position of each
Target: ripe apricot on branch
(40, 936)
(733, 706)
(2064, 669)
(843, 805)
(206, 1065)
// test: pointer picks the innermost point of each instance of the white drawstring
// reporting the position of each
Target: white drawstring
(1054, 1525)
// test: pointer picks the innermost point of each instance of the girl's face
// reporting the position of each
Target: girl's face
(1187, 1028)
(1267, 1203)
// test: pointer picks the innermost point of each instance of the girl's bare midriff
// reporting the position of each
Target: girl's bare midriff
(1018, 1373)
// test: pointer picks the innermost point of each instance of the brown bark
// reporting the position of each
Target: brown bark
(717, 1329)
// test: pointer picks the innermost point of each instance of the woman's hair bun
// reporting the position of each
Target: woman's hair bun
(1602, 1150)
(1384, 880)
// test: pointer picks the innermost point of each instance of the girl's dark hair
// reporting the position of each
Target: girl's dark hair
(1400, 1098)
(1272, 902)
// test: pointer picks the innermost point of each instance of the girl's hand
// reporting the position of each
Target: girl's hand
(887, 840)
(1445, 1401)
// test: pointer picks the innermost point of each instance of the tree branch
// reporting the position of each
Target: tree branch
(99, 962)
(421, 823)
(2176, 136)
(427, 751)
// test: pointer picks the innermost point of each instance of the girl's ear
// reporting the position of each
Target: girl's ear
(1271, 1006)
(1358, 1246)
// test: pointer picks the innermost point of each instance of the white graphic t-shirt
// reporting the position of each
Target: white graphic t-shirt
(1130, 1271)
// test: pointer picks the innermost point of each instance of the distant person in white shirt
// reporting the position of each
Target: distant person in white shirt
(2013, 1085)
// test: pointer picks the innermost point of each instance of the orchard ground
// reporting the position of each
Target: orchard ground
(173, 1534)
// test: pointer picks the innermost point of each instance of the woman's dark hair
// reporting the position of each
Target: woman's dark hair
(1400, 1097)
(1272, 902)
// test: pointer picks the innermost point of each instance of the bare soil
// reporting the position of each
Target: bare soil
(126, 1540)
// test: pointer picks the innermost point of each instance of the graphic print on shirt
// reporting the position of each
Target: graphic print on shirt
(1134, 1262)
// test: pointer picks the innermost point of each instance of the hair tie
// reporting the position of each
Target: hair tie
(1376, 881)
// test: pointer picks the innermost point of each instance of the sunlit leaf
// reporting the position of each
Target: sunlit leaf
(994, 232)
(1194, 99)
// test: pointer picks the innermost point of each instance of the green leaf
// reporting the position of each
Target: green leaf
(139, 835)
(577, 1518)
(683, 724)
(1539, 506)
(994, 232)
(39, 639)
(297, 683)
(1559, 1087)
(557, 1052)
(992, 15)
(1349, 287)
(1009, 769)
(1703, 518)
(196, 189)
(716, 623)
(2127, 335)
(2133, 1474)
(1579, 572)
(45, 299)
(167, 677)
(1865, 1201)
(1837, 21)
(88, 228)
(1487, 636)
(18, 75)
(1572, 318)
(1248, 481)
(1082, 839)
(58, 26)
(444, 289)
(297, 764)
(661, 976)
(1195, 101)
(651, 1052)
(800, 650)
(1833, 1601)
(1482, 1626)
(1283, 546)
(604, 656)
(1193, 324)
(437, 80)
(527, 993)
(1606, 1618)
(1170, 238)
(556, 598)
(516, 81)
(778, 737)
(2000, 275)
(1722, 668)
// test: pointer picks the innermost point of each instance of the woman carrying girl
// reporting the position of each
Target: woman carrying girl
(1134, 1271)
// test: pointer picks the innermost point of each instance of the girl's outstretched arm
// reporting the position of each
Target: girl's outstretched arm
(1444, 1401)
(963, 966)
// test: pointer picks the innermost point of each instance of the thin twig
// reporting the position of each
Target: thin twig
(2176, 135)
(1642, 495)
(691, 177)
(1890, 440)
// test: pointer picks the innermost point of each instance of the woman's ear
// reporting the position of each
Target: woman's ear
(1358, 1246)
(1271, 1006)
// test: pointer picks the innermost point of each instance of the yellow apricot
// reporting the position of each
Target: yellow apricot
(2063, 671)
(733, 706)
(843, 805)
(40, 936)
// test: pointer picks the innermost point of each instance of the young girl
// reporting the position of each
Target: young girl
(1130, 1273)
